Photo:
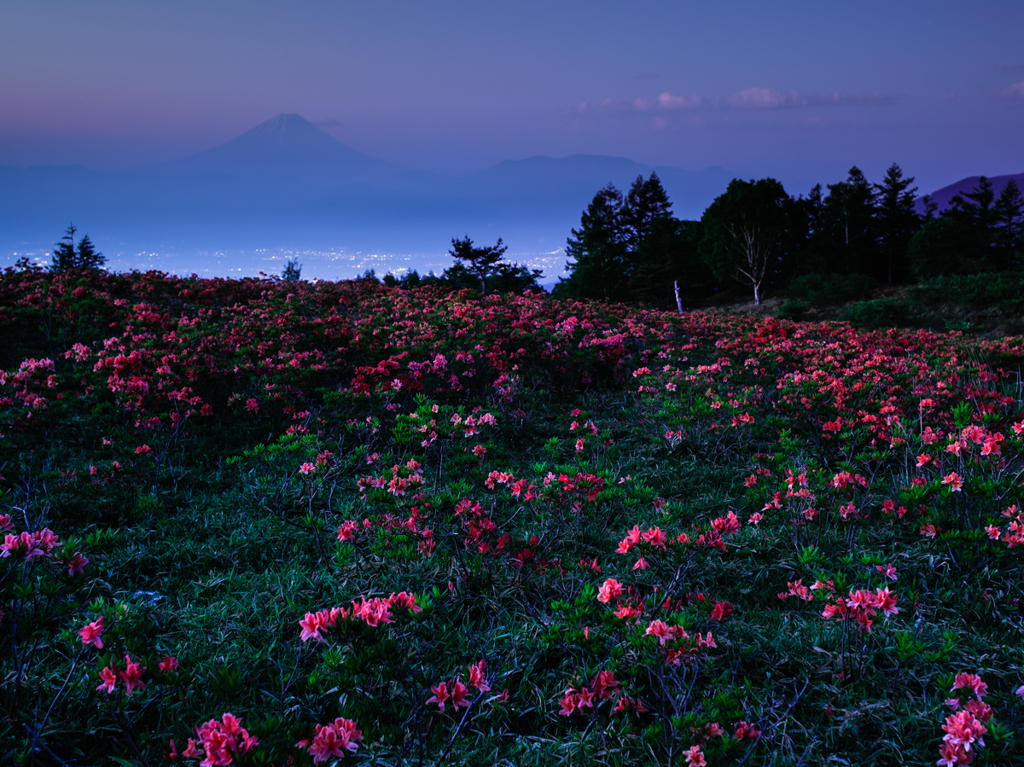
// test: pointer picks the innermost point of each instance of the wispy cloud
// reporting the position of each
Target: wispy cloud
(752, 98)
(1001, 67)
(765, 98)
(1015, 91)
(668, 100)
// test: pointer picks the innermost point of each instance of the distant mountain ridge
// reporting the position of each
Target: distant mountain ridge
(287, 184)
(286, 144)
(943, 197)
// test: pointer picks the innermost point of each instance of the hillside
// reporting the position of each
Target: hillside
(256, 522)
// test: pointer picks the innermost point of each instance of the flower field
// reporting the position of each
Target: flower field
(265, 523)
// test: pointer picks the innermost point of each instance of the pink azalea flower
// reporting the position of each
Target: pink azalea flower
(971, 682)
(954, 481)
(109, 678)
(77, 564)
(610, 589)
(459, 693)
(168, 664)
(659, 629)
(132, 675)
(476, 676)
(92, 633)
(440, 695)
(567, 703)
(695, 757)
(311, 626)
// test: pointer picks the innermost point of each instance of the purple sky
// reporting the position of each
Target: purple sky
(797, 90)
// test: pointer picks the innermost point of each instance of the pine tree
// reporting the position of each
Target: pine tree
(88, 256)
(974, 216)
(480, 262)
(625, 246)
(897, 221)
(645, 208)
(66, 256)
(1009, 225)
(597, 251)
(849, 212)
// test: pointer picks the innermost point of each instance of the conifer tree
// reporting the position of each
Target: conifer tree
(897, 220)
(597, 251)
(1009, 226)
(67, 256)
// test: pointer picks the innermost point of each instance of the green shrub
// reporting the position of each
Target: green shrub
(999, 289)
(830, 289)
(881, 313)
(793, 310)
(946, 246)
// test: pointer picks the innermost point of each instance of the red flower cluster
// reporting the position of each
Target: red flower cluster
(131, 676)
(602, 687)
(680, 643)
(457, 692)
(372, 612)
(964, 728)
(219, 742)
(335, 739)
(861, 606)
(27, 545)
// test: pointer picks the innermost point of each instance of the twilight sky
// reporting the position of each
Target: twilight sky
(797, 90)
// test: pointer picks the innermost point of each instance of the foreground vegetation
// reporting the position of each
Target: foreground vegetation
(264, 522)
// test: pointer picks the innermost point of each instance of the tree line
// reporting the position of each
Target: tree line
(755, 236)
(481, 268)
(68, 255)
(851, 235)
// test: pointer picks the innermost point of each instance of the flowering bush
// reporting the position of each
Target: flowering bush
(700, 539)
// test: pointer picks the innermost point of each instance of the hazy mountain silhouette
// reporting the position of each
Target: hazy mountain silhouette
(941, 197)
(540, 182)
(286, 183)
(287, 146)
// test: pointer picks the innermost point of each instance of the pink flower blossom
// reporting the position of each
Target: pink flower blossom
(954, 481)
(334, 740)
(458, 694)
(971, 682)
(108, 676)
(610, 589)
(92, 633)
(659, 629)
(132, 675)
(476, 676)
(168, 664)
(76, 565)
(695, 757)
(440, 696)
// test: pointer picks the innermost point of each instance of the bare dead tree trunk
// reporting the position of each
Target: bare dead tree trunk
(679, 303)
(757, 255)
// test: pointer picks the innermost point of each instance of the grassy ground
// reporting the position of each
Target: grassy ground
(551, 533)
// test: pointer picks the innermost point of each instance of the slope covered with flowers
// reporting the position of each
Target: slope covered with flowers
(254, 522)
